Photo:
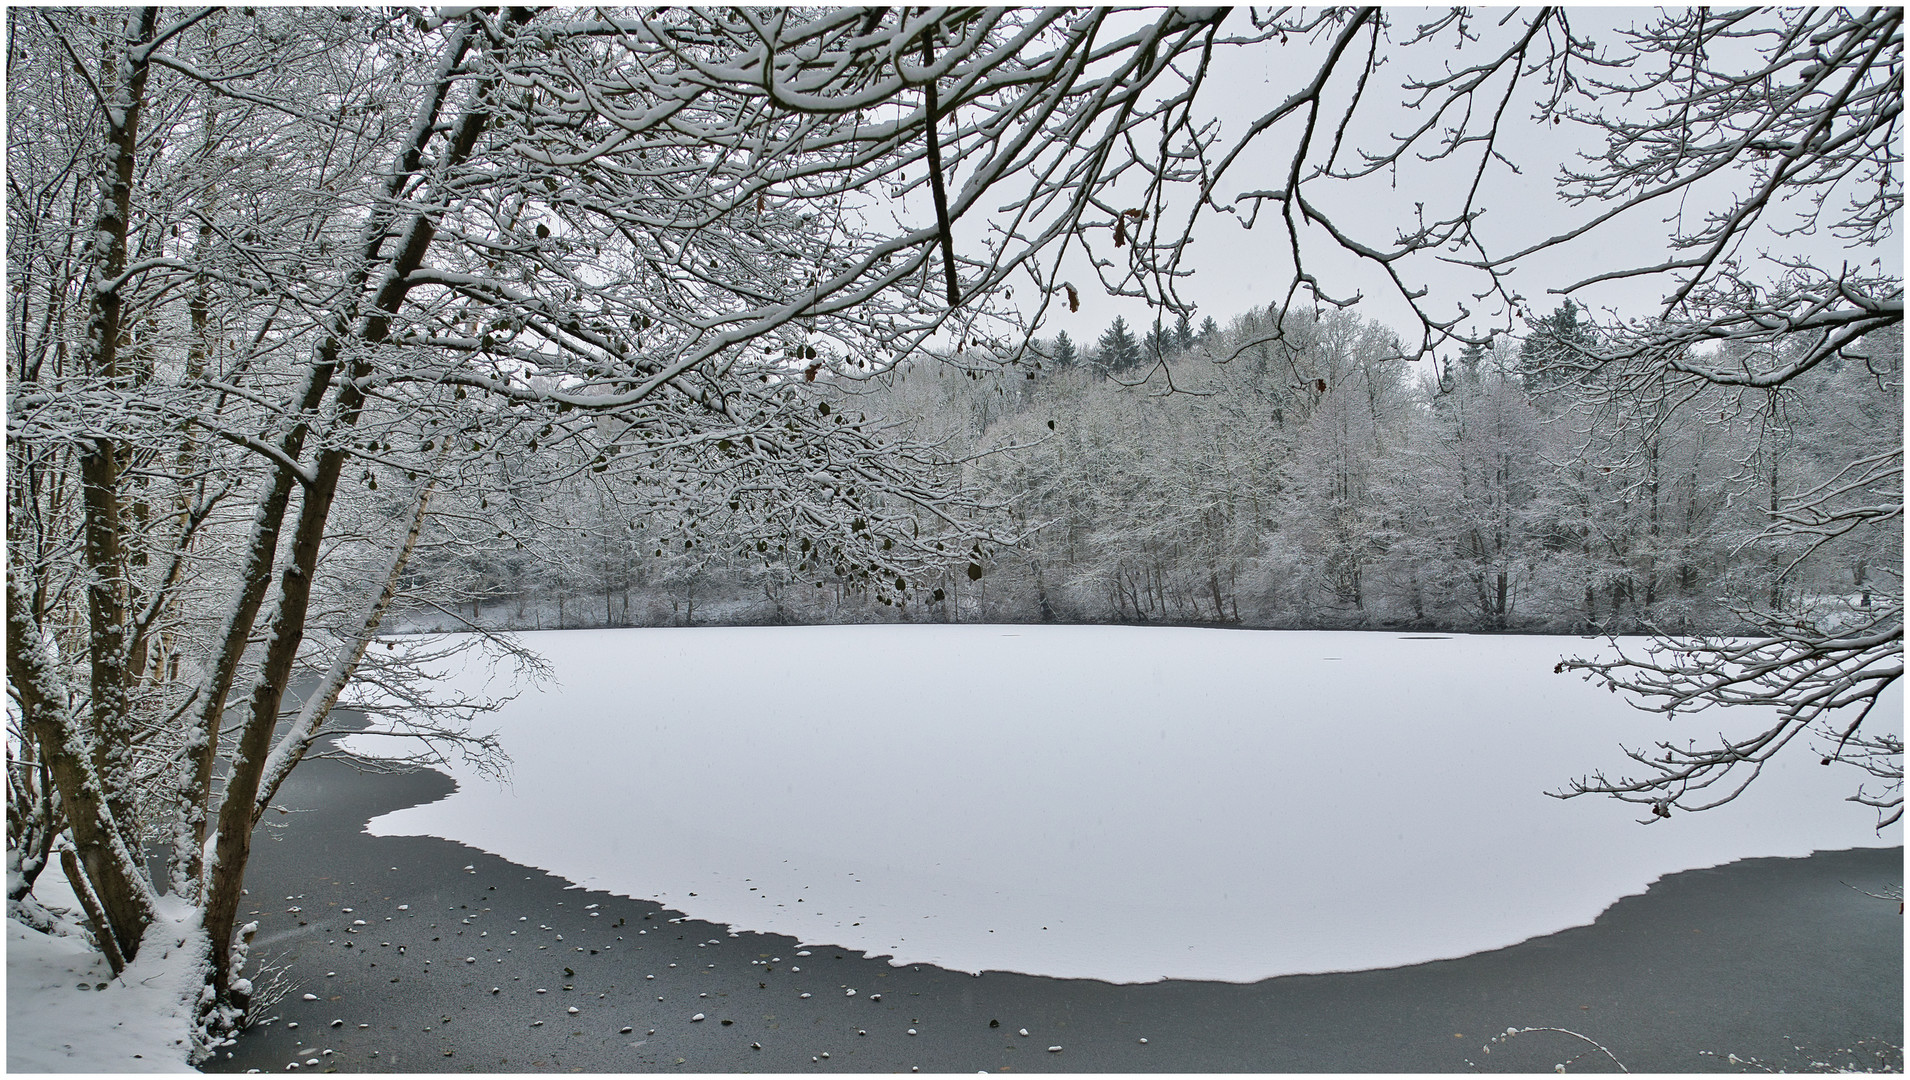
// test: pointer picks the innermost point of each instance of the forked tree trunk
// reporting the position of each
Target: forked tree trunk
(274, 502)
(237, 814)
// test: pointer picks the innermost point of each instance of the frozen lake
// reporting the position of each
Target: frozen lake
(1115, 803)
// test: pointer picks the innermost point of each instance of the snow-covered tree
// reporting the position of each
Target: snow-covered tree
(1557, 345)
(264, 323)
(1116, 349)
(1157, 343)
(1062, 351)
(1480, 479)
(1334, 520)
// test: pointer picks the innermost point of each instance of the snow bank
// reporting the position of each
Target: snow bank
(66, 1013)
(1115, 803)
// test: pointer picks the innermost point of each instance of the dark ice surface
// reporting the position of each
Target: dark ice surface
(1780, 961)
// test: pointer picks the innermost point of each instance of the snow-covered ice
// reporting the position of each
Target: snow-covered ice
(1116, 803)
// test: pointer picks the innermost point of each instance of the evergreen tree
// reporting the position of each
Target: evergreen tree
(1208, 328)
(1555, 349)
(1184, 333)
(1157, 344)
(1062, 351)
(1472, 356)
(1117, 348)
(1465, 369)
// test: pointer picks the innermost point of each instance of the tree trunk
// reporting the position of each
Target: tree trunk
(236, 815)
(256, 577)
(318, 705)
(95, 918)
(106, 854)
(95, 784)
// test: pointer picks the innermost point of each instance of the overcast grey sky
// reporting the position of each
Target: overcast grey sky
(1236, 269)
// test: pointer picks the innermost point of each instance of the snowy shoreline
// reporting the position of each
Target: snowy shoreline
(1746, 952)
(67, 1013)
(1758, 917)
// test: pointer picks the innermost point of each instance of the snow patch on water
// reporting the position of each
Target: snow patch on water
(1117, 803)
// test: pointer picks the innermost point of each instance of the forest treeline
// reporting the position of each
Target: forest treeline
(1271, 473)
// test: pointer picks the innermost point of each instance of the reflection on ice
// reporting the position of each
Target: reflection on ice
(1106, 802)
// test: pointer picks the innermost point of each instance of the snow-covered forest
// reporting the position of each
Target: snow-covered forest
(1234, 476)
(325, 322)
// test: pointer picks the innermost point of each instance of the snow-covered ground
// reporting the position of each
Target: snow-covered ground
(67, 1014)
(1108, 802)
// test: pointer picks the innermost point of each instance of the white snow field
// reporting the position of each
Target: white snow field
(1116, 803)
(66, 1013)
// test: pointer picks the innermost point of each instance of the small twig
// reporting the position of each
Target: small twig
(1590, 1042)
(1897, 896)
